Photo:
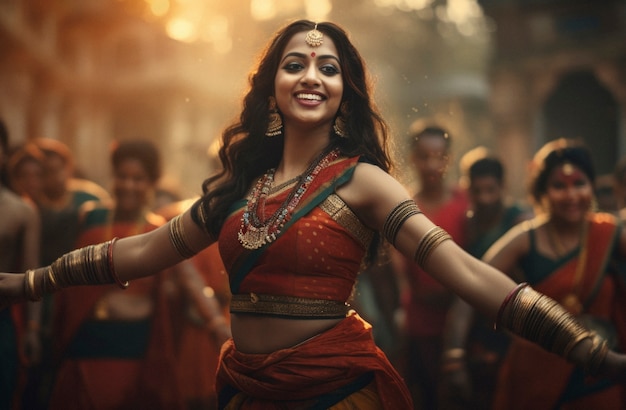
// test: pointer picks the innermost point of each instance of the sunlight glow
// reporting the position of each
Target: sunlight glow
(263, 9)
(159, 7)
(181, 29)
(317, 10)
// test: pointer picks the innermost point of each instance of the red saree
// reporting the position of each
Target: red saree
(532, 378)
(321, 365)
(102, 381)
(315, 256)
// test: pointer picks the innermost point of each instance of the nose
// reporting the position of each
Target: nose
(571, 192)
(310, 76)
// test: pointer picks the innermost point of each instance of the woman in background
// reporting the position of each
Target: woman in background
(565, 252)
(116, 348)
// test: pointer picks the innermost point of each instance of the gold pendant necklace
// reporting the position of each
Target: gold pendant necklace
(256, 230)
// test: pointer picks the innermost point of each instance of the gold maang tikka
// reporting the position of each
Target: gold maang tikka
(314, 38)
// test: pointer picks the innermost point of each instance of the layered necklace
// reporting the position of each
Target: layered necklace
(256, 230)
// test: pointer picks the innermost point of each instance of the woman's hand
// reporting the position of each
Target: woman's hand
(11, 288)
(614, 366)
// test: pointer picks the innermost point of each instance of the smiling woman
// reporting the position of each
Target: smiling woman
(127, 332)
(568, 252)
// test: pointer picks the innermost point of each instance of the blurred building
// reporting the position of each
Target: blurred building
(558, 70)
(507, 74)
(88, 72)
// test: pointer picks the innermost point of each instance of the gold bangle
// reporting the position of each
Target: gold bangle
(597, 353)
(397, 217)
(54, 286)
(91, 265)
(178, 238)
(111, 266)
(454, 354)
(29, 286)
(540, 319)
(434, 237)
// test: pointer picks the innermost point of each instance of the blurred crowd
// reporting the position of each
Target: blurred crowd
(58, 350)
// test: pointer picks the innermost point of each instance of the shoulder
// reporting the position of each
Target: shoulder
(15, 205)
(155, 220)
(93, 213)
(517, 239)
(372, 189)
(370, 178)
(604, 218)
(85, 190)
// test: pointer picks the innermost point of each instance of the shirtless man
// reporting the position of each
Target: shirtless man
(19, 250)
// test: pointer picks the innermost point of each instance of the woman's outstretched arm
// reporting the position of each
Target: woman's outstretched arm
(116, 261)
(384, 203)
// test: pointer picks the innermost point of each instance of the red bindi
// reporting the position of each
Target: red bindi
(313, 54)
(568, 174)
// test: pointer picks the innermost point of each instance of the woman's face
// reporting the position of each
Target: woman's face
(430, 158)
(132, 185)
(56, 175)
(308, 83)
(569, 193)
(27, 179)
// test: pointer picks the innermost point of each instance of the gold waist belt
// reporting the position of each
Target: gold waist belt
(288, 306)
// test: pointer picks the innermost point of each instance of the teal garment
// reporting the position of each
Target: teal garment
(537, 267)
(8, 359)
(60, 227)
(486, 348)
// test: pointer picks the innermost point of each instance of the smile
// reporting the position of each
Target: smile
(312, 97)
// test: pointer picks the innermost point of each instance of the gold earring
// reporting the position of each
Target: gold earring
(275, 123)
(340, 123)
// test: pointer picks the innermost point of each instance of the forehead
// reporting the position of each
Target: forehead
(484, 180)
(567, 171)
(297, 45)
(430, 143)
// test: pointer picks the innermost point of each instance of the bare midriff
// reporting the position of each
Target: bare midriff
(266, 334)
(123, 307)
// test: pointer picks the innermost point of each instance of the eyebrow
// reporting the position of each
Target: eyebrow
(302, 55)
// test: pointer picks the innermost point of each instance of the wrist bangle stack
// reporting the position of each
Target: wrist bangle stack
(542, 320)
(91, 265)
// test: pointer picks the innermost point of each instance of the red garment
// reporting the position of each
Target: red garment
(321, 365)
(531, 377)
(315, 257)
(106, 383)
(423, 317)
(197, 351)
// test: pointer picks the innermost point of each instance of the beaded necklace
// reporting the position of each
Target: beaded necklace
(256, 230)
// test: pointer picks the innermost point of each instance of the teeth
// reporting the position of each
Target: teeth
(309, 97)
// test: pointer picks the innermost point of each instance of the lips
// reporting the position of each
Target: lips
(309, 97)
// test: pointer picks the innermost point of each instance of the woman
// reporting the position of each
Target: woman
(116, 348)
(303, 189)
(565, 252)
(424, 300)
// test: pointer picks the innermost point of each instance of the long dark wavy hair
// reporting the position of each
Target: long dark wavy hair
(246, 152)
